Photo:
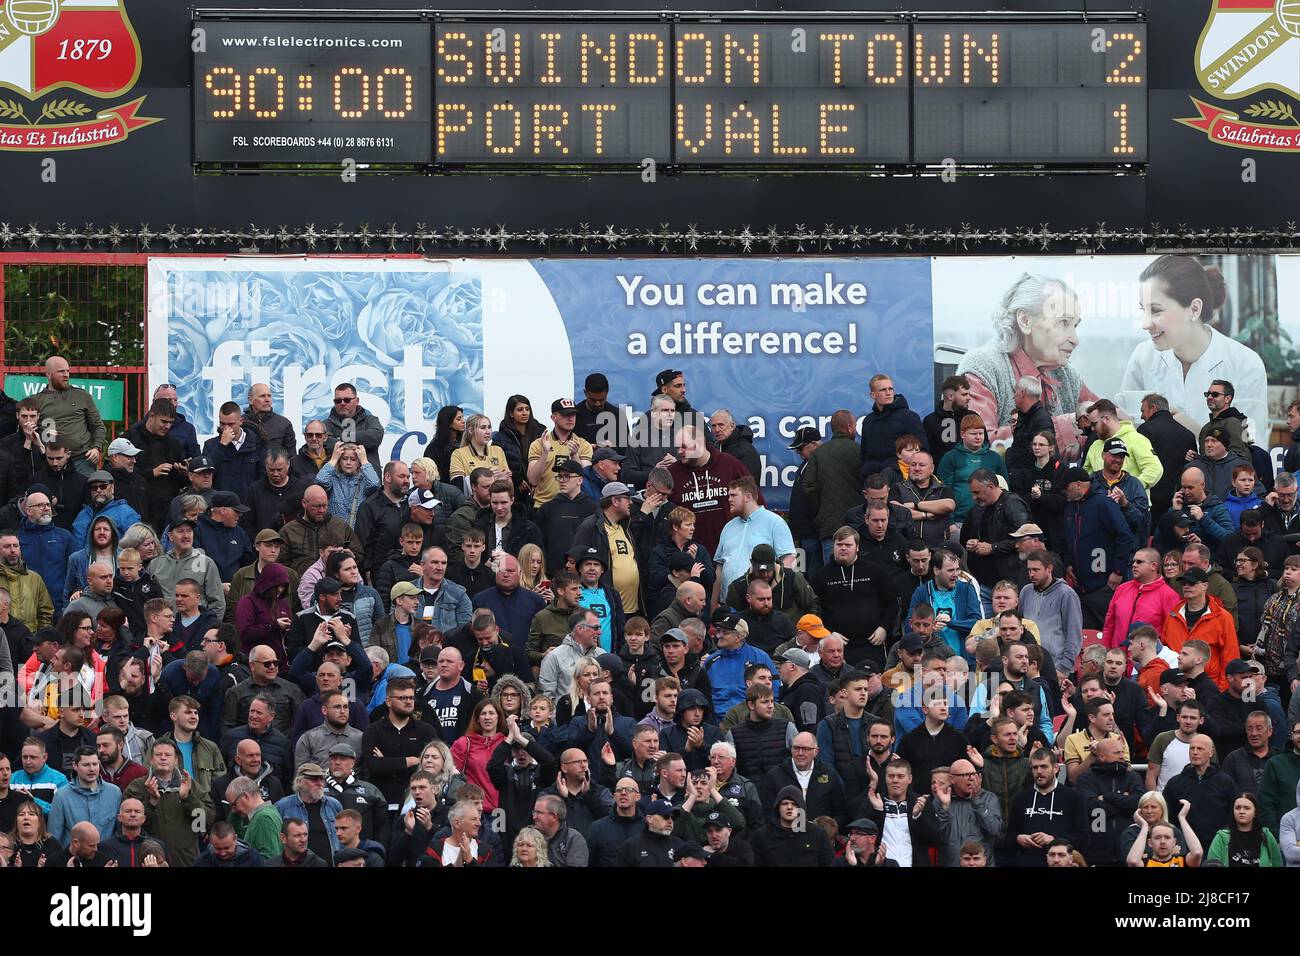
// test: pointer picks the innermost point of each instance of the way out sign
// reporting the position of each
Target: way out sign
(107, 393)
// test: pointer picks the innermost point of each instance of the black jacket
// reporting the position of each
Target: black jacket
(881, 428)
(774, 845)
(650, 849)
(519, 787)
(69, 488)
(806, 699)
(154, 451)
(607, 835)
(1028, 424)
(129, 486)
(1110, 793)
(390, 773)
(559, 520)
(17, 465)
(768, 633)
(1211, 797)
(994, 524)
(519, 532)
(379, 525)
(924, 829)
(1171, 442)
(825, 794)
(267, 504)
(740, 444)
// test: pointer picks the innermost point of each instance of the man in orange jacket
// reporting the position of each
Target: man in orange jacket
(1201, 617)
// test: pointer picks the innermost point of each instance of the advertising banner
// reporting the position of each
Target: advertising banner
(779, 343)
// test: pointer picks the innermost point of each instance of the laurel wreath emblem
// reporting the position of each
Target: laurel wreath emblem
(53, 110)
(1272, 109)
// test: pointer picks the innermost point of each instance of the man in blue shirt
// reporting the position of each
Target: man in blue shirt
(725, 667)
(750, 526)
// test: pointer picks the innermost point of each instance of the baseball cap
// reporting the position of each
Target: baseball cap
(430, 654)
(1183, 521)
(863, 825)
(691, 851)
(812, 624)
(312, 770)
(568, 465)
(564, 406)
(403, 589)
(1028, 531)
(803, 436)
(99, 478)
(1115, 446)
(660, 808)
(201, 463)
(1218, 433)
(596, 382)
(607, 454)
(1075, 474)
(1237, 666)
(726, 619)
(911, 643)
(796, 656)
(590, 554)
(674, 634)
(343, 750)
(716, 819)
(122, 446)
(327, 585)
(228, 499)
(182, 520)
(1172, 675)
(763, 557)
(612, 663)
(335, 646)
(268, 534)
(348, 855)
(666, 376)
(614, 488)
(865, 669)
(1193, 576)
(422, 498)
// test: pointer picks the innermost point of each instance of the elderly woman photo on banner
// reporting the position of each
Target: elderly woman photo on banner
(1035, 332)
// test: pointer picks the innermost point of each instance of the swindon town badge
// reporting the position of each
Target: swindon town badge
(1249, 47)
(54, 55)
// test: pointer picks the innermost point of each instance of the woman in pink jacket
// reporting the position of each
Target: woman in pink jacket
(472, 751)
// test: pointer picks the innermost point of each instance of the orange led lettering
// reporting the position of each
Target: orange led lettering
(750, 54)
(549, 130)
(452, 58)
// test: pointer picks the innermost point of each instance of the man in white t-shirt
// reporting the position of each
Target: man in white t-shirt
(1169, 752)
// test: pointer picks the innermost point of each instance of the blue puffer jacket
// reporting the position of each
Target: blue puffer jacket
(292, 808)
(726, 673)
(46, 551)
(1094, 526)
(117, 511)
(367, 608)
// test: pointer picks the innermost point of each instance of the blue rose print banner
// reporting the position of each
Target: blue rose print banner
(781, 343)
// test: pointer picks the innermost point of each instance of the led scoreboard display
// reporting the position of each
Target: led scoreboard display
(271, 91)
(693, 91)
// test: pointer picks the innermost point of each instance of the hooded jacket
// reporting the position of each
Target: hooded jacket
(117, 511)
(958, 465)
(775, 845)
(881, 429)
(1005, 775)
(46, 549)
(1215, 628)
(29, 596)
(673, 739)
(1094, 525)
(256, 613)
(792, 594)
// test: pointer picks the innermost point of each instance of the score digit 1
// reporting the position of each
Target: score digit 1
(1124, 146)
